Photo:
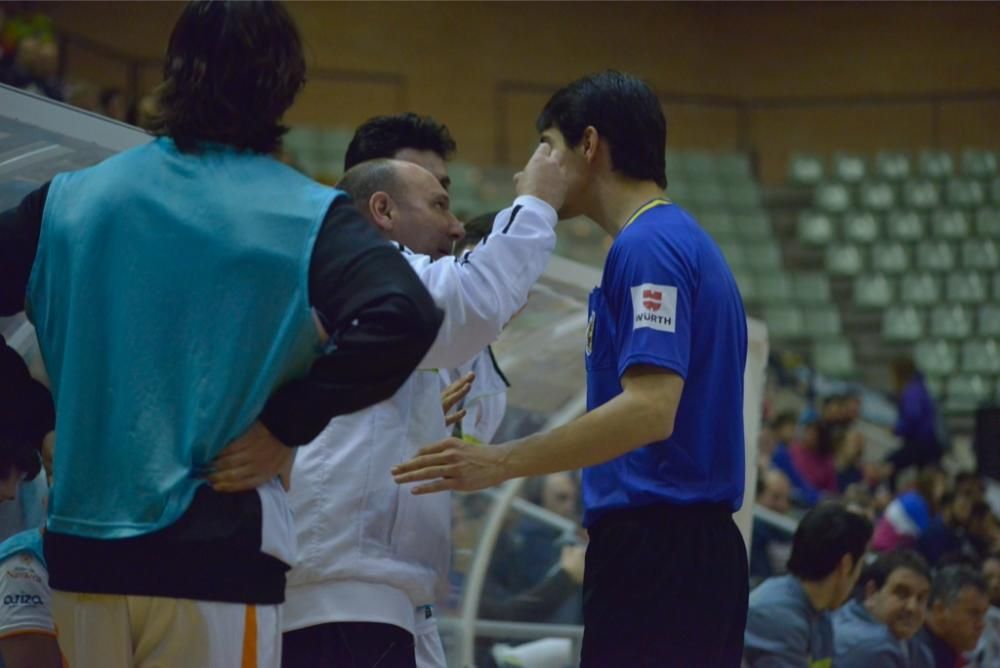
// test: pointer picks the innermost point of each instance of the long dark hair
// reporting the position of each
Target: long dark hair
(232, 70)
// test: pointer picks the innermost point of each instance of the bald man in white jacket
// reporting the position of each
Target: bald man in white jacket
(373, 558)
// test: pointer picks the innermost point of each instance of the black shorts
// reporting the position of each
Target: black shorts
(665, 586)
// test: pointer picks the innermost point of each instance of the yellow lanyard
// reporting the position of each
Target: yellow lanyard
(651, 204)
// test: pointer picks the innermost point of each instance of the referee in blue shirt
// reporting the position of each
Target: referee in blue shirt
(662, 441)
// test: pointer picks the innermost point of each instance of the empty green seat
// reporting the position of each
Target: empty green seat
(966, 392)
(902, 323)
(784, 322)
(822, 322)
(718, 223)
(892, 165)
(742, 195)
(995, 191)
(967, 287)
(936, 164)
(815, 228)
(921, 289)
(811, 288)
(891, 257)
(935, 256)
(747, 284)
(877, 195)
(699, 165)
(873, 290)
(774, 288)
(965, 192)
(936, 357)
(988, 320)
(906, 226)
(763, 256)
(805, 169)
(733, 167)
(860, 227)
(833, 197)
(981, 356)
(980, 254)
(988, 223)
(706, 194)
(752, 224)
(950, 224)
(950, 321)
(834, 358)
(921, 194)
(978, 163)
(734, 254)
(935, 385)
(844, 260)
(849, 167)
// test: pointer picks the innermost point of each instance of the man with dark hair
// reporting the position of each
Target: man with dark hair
(787, 626)
(374, 557)
(663, 438)
(876, 630)
(176, 289)
(26, 417)
(408, 137)
(956, 614)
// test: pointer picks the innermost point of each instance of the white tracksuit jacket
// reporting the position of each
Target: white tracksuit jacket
(368, 550)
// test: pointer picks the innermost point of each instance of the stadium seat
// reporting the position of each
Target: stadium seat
(833, 197)
(774, 288)
(980, 254)
(996, 287)
(718, 223)
(763, 256)
(877, 195)
(995, 191)
(860, 227)
(742, 195)
(891, 257)
(747, 284)
(700, 165)
(906, 226)
(950, 321)
(705, 195)
(920, 289)
(784, 322)
(844, 260)
(873, 291)
(936, 357)
(815, 228)
(734, 254)
(752, 224)
(834, 358)
(848, 167)
(936, 165)
(892, 165)
(935, 256)
(981, 356)
(733, 167)
(967, 287)
(921, 194)
(950, 224)
(935, 385)
(965, 192)
(805, 169)
(988, 222)
(822, 322)
(978, 163)
(966, 392)
(988, 320)
(902, 323)
(811, 288)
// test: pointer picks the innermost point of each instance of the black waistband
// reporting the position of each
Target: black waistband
(666, 513)
(211, 554)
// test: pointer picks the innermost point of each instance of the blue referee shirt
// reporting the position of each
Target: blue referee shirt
(668, 299)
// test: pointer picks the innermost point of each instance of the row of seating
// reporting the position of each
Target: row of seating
(924, 289)
(784, 288)
(817, 228)
(906, 322)
(922, 194)
(810, 169)
(940, 357)
(894, 257)
(964, 392)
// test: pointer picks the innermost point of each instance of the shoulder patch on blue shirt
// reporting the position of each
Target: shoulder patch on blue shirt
(654, 306)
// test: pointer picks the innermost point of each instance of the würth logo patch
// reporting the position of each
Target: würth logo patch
(654, 306)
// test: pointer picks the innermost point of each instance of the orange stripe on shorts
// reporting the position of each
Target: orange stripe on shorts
(250, 638)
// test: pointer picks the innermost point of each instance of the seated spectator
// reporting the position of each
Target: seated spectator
(770, 546)
(813, 455)
(969, 484)
(956, 615)
(787, 624)
(803, 493)
(947, 534)
(917, 424)
(875, 630)
(848, 448)
(987, 654)
(909, 515)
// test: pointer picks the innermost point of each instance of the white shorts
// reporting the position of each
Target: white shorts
(428, 648)
(111, 631)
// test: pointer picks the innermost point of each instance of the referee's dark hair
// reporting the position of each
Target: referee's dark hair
(384, 136)
(825, 534)
(231, 72)
(879, 570)
(624, 111)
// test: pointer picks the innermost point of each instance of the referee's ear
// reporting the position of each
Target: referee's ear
(382, 211)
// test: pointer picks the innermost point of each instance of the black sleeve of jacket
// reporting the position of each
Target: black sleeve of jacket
(381, 321)
(20, 228)
(26, 408)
